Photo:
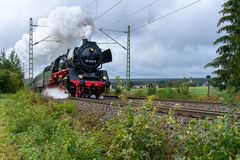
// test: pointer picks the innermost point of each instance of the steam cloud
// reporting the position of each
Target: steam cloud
(55, 93)
(66, 27)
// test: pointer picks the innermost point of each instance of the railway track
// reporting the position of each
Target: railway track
(172, 100)
(163, 107)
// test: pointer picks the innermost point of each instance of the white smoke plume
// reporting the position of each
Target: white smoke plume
(55, 93)
(66, 26)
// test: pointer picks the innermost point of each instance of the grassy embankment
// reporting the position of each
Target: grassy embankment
(7, 149)
(47, 130)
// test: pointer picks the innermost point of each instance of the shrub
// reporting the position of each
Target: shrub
(183, 90)
(218, 139)
(139, 93)
(168, 93)
(10, 81)
(27, 96)
(118, 85)
(228, 97)
(138, 134)
(151, 91)
(173, 93)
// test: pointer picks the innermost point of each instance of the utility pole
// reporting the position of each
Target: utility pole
(128, 66)
(128, 59)
(208, 83)
(31, 25)
(31, 50)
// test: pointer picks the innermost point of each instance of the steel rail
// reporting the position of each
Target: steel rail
(171, 100)
(181, 111)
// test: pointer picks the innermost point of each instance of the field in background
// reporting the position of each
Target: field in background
(203, 91)
(196, 93)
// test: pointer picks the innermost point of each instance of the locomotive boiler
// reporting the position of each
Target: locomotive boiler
(78, 72)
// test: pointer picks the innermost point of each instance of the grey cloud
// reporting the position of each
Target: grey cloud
(180, 44)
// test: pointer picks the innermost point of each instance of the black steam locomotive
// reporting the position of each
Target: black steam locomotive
(78, 72)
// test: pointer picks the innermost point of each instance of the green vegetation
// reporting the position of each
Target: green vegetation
(7, 151)
(190, 93)
(181, 89)
(139, 93)
(172, 93)
(218, 139)
(10, 73)
(229, 97)
(151, 91)
(43, 129)
(227, 63)
(118, 87)
(203, 91)
(226, 97)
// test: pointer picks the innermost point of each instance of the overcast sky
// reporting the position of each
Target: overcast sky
(173, 47)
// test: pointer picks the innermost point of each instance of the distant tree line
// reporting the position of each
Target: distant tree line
(162, 83)
(11, 74)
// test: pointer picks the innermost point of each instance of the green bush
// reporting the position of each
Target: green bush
(218, 139)
(173, 93)
(183, 90)
(27, 96)
(167, 93)
(138, 134)
(118, 88)
(151, 91)
(139, 93)
(228, 97)
(10, 81)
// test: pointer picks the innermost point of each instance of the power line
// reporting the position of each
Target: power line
(149, 12)
(42, 40)
(111, 30)
(164, 16)
(108, 10)
(132, 13)
(106, 43)
(35, 25)
(91, 3)
(113, 38)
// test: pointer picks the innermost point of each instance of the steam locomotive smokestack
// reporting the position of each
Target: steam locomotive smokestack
(84, 41)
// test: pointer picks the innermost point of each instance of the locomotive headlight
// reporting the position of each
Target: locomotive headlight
(91, 50)
(80, 76)
(105, 77)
